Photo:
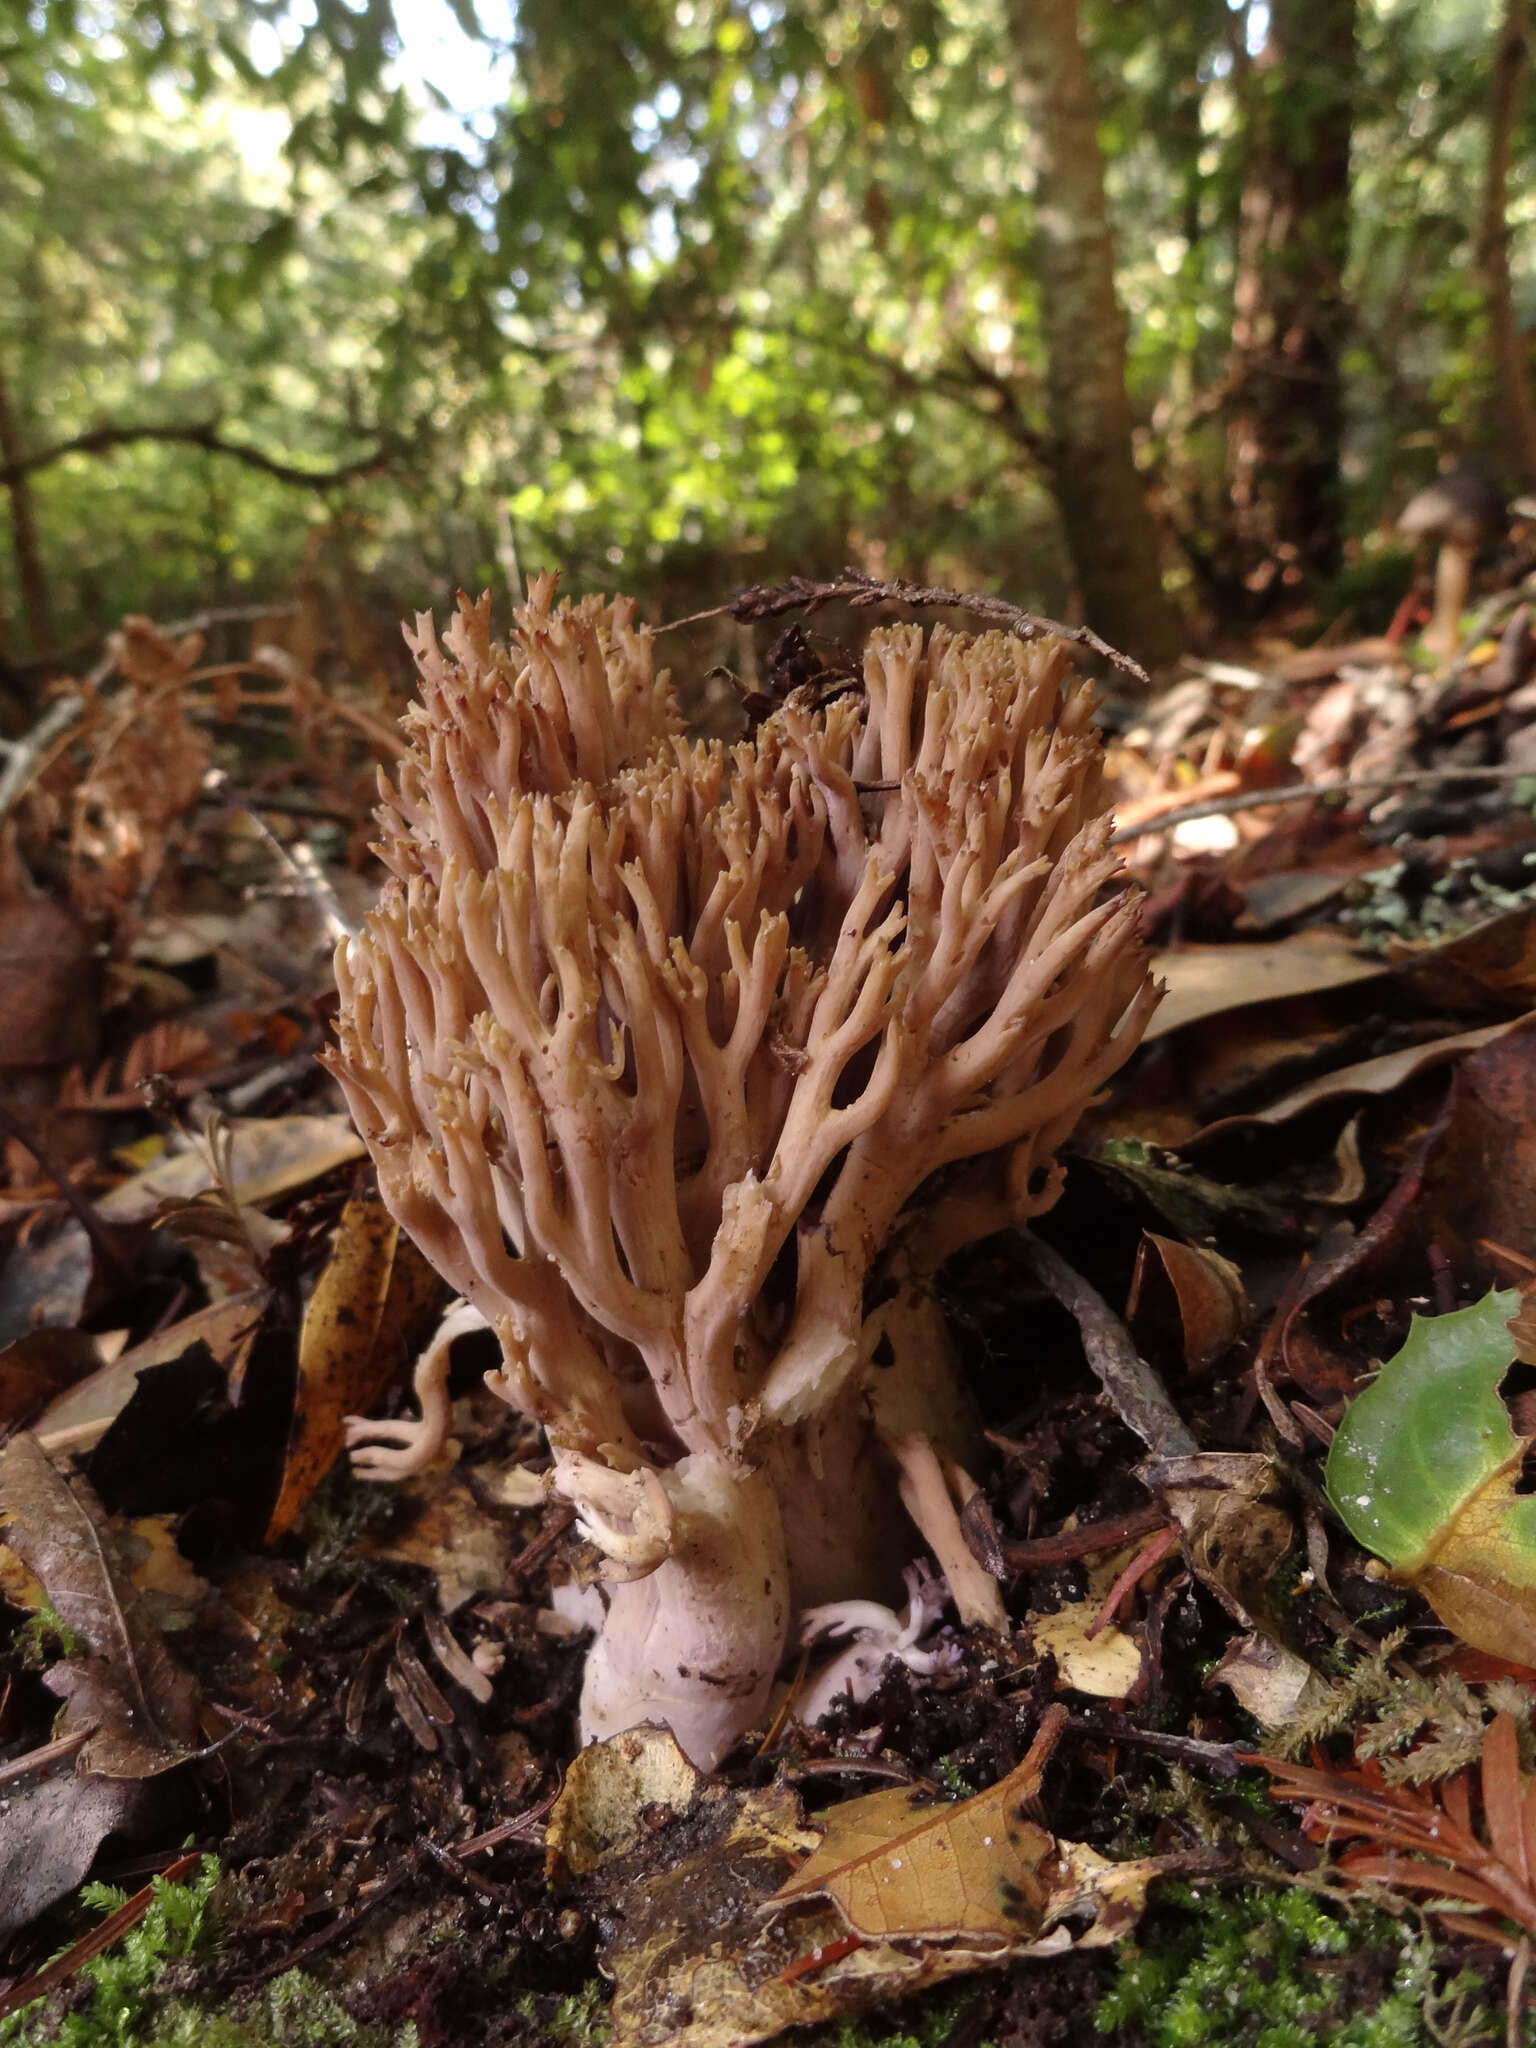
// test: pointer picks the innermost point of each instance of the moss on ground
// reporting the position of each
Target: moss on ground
(123, 1999)
(1265, 1967)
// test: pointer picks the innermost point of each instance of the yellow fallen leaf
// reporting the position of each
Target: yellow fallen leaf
(899, 1865)
(1106, 1665)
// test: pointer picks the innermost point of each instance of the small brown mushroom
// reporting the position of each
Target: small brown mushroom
(1461, 510)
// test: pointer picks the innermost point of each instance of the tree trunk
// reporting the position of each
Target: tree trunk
(1516, 428)
(1290, 316)
(31, 579)
(1109, 528)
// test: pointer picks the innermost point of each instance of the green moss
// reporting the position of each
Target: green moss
(293, 2011)
(928, 2022)
(343, 1510)
(122, 1981)
(124, 1999)
(1282, 1968)
(580, 2021)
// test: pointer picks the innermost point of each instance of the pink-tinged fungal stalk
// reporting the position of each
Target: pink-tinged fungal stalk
(666, 1050)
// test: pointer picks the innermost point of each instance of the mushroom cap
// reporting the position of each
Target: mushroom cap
(1465, 505)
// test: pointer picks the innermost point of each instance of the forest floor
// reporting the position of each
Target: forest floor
(1276, 1760)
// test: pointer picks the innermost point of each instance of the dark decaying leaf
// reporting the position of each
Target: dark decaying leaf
(144, 1707)
(712, 1948)
(37, 1368)
(55, 1819)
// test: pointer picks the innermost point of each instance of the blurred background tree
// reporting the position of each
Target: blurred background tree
(1152, 315)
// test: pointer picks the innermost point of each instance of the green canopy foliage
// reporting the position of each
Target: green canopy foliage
(674, 292)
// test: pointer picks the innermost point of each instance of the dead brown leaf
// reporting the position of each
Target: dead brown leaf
(1379, 1076)
(1202, 981)
(37, 1368)
(900, 1865)
(77, 1420)
(144, 1707)
(268, 1157)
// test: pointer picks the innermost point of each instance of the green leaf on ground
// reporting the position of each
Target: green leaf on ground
(1423, 1472)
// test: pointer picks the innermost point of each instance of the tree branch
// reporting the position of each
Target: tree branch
(204, 434)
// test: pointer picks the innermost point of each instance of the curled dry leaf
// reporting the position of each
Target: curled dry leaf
(37, 1368)
(1379, 1076)
(1208, 1289)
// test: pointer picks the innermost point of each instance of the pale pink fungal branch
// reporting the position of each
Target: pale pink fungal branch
(660, 1046)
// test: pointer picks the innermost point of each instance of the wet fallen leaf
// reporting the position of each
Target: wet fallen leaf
(55, 1820)
(1423, 1470)
(373, 1307)
(143, 1705)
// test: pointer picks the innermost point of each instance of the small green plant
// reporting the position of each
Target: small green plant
(953, 1779)
(1283, 1968)
(46, 1636)
(1390, 904)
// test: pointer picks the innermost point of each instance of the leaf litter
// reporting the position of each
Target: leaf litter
(1326, 1137)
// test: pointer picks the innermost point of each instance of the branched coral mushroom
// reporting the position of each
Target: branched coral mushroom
(661, 1046)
